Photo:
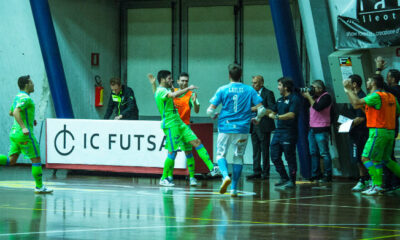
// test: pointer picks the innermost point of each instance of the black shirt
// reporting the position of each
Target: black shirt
(291, 103)
(361, 128)
(127, 107)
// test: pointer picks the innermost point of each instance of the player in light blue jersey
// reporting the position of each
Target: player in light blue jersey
(234, 120)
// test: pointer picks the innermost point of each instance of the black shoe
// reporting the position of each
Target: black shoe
(281, 182)
(254, 176)
(326, 179)
(289, 185)
(265, 177)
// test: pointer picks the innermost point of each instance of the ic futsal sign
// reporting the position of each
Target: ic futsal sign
(107, 142)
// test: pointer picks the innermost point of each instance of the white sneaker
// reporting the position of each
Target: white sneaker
(166, 183)
(367, 189)
(360, 186)
(43, 190)
(376, 190)
(234, 193)
(171, 180)
(225, 184)
(193, 181)
(215, 171)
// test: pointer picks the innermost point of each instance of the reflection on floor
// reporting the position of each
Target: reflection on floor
(115, 207)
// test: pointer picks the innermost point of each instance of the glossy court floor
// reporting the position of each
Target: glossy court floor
(126, 207)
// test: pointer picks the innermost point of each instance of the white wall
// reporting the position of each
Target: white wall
(81, 27)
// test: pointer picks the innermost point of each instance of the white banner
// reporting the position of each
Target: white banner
(107, 142)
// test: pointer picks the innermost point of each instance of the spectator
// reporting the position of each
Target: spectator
(319, 133)
(261, 133)
(122, 99)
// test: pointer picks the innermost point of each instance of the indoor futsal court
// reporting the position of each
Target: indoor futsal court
(136, 207)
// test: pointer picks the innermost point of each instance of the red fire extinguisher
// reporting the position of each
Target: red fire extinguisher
(98, 99)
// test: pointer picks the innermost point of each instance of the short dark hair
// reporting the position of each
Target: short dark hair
(183, 74)
(235, 71)
(287, 82)
(115, 80)
(162, 74)
(355, 78)
(378, 79)
(320, 84)
(23, 81)
(394, 73)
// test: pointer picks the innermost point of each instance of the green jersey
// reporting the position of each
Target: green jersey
(169, 114)
(24, 102)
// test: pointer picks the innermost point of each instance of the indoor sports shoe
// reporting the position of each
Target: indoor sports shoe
(43, 190)
(225, 184)
(367, 189)
(215, 171)
(193, 181)
(166, 183)
(360, 186)
(234, 193)
(171, 180)
(376, 190)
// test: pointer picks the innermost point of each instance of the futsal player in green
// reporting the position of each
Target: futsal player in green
(381, 109)
(22, 139)
(176, 131)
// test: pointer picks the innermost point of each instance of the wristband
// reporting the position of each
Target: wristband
(276, 117)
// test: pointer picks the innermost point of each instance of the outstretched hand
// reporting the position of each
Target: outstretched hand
(254, 121)
(347, 84)
(151, 78)
(191, 87)
(380, 62)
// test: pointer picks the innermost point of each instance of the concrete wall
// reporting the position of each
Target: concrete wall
(81, 27)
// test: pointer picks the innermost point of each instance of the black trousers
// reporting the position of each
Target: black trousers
(261, 141)
(284, 142)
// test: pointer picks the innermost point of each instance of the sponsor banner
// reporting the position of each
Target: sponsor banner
(369, 24)
(107, 142)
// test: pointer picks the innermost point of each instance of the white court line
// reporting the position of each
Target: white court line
(191, 226)
(129, 228)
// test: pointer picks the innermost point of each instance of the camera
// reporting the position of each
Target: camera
(310, 90)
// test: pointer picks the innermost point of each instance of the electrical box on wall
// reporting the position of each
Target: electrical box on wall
(343, 63)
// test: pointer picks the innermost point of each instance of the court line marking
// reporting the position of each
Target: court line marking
(128, 228)
(390, 236)
(335, 226)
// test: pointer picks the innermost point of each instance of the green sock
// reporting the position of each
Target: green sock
(190, 164)
(393, 166)
(171, 170)
(203, 154)
(379, 174)
(369, 165)
(4, 160)
(169, 165)
(37, 174)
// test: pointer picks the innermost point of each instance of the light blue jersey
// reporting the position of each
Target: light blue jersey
(237, 100)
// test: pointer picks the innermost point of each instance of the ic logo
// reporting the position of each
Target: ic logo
(63, 133)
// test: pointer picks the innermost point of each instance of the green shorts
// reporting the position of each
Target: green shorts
(379, 144)
(25, 144)
(179, 137)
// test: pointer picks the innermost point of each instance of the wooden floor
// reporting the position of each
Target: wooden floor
(115, 207)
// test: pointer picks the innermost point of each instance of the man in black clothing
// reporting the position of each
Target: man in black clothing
(320, 126)
(261, 132)
(358, 136)
(123, 100)
(390, 181)
(285, 112)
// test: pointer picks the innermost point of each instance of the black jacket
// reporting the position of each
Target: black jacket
(266, 124)
(127, 107)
